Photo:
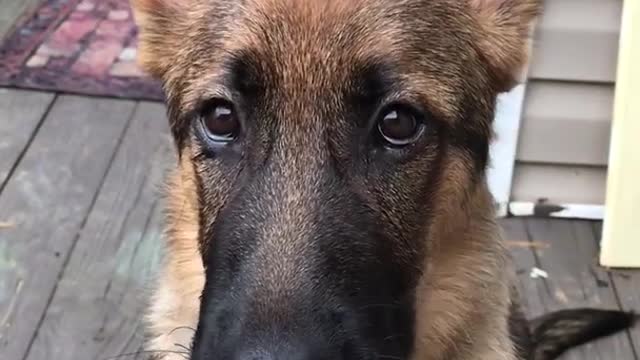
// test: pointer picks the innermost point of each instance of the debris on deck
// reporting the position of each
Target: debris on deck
(538, 273)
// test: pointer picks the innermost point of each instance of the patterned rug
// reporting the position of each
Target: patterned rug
(83, 47)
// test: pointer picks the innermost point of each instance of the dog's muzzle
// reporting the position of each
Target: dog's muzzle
(301, 270)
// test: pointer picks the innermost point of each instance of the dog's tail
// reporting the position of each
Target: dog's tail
(556, 332)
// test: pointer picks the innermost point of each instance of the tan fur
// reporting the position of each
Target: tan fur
(506, 37)
(465, 292)
(173, 314)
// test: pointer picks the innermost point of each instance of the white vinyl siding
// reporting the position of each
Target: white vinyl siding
(565, 127)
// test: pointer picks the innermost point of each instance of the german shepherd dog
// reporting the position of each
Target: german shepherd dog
(330, 199)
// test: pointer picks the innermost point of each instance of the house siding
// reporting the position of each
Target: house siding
(565, 127)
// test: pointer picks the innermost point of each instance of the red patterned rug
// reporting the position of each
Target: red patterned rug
(77, 46)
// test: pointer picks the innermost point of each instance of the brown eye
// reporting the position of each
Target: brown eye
(399, 126)
(220, 122)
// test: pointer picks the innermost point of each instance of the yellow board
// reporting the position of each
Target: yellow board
(621, 229)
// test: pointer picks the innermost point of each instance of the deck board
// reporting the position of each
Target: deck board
(12, 10)
(575, 280)
(48, 197)
(565, 250)
(524, 259)
(20, 115)
(118, 250)
(626, 284)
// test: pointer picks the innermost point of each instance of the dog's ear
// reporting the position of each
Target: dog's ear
(159, 31)
(506, 28)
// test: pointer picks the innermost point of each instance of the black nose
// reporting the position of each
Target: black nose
(307, 349)
(278, 352)
(255, 355)
(284, 332)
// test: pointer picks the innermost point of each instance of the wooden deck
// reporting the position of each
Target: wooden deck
(80, 234)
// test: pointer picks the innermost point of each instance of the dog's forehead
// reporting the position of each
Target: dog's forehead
(312, 45)
(312, 38)
(335, 31)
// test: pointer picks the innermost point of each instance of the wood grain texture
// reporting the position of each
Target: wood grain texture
(117, 252)
(575, 280)
(627, 286)
(12, 11)
(20, 115)
(524, 260)
(48, 198)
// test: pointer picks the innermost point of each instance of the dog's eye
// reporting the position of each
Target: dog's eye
(399, 126)
(220, 122)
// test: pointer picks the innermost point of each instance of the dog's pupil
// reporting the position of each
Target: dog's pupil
(397, 126)
(221, 121)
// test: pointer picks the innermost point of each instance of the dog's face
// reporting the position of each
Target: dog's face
(326, 140)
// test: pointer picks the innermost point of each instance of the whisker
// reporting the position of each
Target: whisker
(182, 328)
(183, 347)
